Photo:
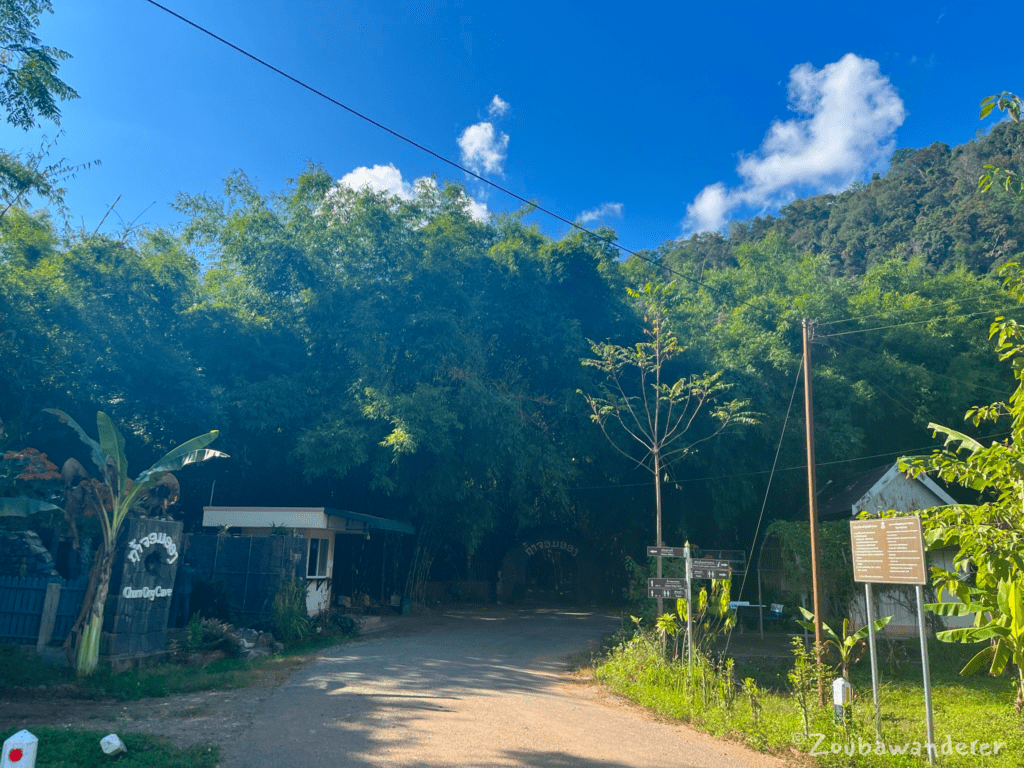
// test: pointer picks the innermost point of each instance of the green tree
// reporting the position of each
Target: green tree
(642, 414)
(988, 575)
(30, 91)
(1012, 181)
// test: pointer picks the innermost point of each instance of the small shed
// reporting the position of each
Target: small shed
(321, 526)
(781, 572)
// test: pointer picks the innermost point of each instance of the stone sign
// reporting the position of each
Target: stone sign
(888, 550)
(141, 585)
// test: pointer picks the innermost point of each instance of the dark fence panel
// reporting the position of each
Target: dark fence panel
(250, 567)
(72, 594)
(21, 607)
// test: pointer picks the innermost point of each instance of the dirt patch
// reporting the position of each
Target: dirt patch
(185, 719)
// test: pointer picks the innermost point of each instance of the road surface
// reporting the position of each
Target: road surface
(482, 688)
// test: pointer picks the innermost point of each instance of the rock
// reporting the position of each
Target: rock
(265, 641)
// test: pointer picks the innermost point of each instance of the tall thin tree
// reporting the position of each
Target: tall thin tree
(645, 418)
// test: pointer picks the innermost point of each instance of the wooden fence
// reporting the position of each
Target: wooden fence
(39, 611)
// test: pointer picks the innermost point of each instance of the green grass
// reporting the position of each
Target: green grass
(977, 708)
(18, 669)
(67, 747)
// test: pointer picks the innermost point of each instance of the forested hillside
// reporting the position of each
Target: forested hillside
(400, 358)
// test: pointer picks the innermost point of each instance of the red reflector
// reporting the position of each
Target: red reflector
(15, 755)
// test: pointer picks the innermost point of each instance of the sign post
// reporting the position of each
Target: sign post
(891, 551)
(874, 659)
(689, 610)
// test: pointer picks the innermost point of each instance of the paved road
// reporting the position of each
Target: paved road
(480, 689)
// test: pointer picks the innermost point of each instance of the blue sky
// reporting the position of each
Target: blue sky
(656, 119)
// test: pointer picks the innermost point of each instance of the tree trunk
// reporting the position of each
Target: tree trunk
(85, 634)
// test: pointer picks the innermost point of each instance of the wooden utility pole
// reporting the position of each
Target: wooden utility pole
(812, 492)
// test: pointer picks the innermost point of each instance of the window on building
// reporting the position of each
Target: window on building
(316, 563)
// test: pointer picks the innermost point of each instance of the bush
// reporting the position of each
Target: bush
(342, 623)
(289, 611)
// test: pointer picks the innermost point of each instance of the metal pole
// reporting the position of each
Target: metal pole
(657, 507)
(927, 675)
(812, 493)
(689, 609)
(760, 601)
(874, 659)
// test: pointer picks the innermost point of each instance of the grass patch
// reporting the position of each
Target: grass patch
(974, 709)
(19, 669)
(67, 747)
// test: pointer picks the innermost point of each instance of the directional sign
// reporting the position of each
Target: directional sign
(711, 573)
(666, 583)
(737, 557)
(666, 551)
(706, 563)
(673, 593)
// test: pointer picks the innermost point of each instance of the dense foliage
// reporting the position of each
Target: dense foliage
(401, 358)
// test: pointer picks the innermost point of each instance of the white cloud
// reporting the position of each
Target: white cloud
(603, 211)
(848, 115)
(380, 178)
(387, 178)
(498, 107)
(478, 210)
(483, 148)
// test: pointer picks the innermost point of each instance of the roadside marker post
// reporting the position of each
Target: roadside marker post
(20, 751)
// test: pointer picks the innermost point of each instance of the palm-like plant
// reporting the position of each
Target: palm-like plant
(108, 455)
(849, 645)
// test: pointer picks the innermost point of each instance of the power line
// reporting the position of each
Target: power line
(902, 451)
(533, 205)
(912, 309)
(915, 322)
(452, 163)
(1004, 393)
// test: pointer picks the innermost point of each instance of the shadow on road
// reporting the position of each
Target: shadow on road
(384, 699)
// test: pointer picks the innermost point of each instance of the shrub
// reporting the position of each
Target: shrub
(289, 611)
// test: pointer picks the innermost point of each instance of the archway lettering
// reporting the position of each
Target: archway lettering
(565, 546)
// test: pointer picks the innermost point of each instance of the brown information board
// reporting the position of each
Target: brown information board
(888, 550)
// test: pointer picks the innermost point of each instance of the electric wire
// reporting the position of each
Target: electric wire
(918, 322)
(901, 400)
(1002, 392)
(533, 205)
(891, 312)
(768, 487)
(803, 467)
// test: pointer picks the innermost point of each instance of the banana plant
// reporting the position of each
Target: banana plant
(850, 645)
(999, 621)
(108, 455)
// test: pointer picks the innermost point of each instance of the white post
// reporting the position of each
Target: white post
(689, 609)
(927, 675)
(874, 659)
(20, 751)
